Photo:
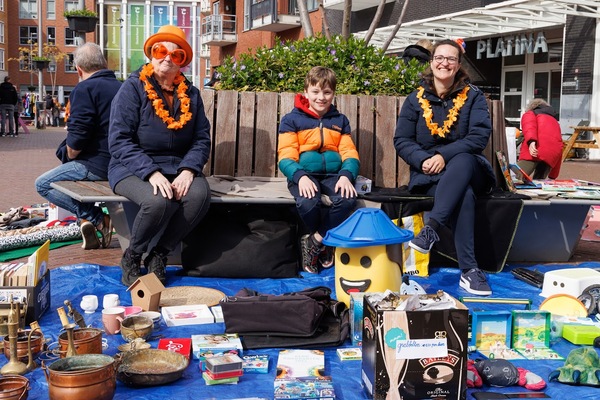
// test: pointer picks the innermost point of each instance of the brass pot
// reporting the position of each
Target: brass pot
(87, 341)
(87, 376)
(150, 367)
(136, 326)
(36, 345)
(14, 387)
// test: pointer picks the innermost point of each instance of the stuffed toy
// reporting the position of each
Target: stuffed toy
(499, 372)
(582, 367)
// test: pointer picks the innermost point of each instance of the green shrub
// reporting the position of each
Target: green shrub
(80, 13)
(360, 68)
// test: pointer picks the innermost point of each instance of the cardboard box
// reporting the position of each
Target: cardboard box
(57, 213)
(37, 297)
(362, 184)
(414, 354)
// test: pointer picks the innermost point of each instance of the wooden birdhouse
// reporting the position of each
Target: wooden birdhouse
(145, 292)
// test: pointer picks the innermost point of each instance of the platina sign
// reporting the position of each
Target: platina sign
(512, 46)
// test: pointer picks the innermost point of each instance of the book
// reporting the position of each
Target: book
(225, 363)
(349, 353)
(203, 355)
(581, 194)
(503, 162)
(39, 263)
(561, 185)
(193, 314)
(296, 363)
(258, 363)
(315, 388)
(210, 344)
(210, 381)
(179, 345)
(527, 181)
(539, 353)
(225, 375)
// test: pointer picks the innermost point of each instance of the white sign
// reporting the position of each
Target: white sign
(421, 348)
(512, 46)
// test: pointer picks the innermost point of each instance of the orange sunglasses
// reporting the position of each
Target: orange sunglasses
(159, 51)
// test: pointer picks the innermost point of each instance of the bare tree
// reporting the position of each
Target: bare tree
(346, 19)
(396, 27)
(375, 22)
(305, 19)
(326, 29)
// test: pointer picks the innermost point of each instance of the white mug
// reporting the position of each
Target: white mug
(89, 303)
(110, 300)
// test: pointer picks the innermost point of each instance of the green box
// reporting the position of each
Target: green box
(581, 334)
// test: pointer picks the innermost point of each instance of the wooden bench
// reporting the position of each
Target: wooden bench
(244, 144)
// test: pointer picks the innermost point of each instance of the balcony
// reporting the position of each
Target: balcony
(274, 15)
(204, 51)
(206, 7)
(357, 5)
(219, 30)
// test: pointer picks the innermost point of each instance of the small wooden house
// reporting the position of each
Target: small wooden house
(145, 292)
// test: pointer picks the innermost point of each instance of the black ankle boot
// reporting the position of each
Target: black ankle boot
(156, 261)
(130, 267)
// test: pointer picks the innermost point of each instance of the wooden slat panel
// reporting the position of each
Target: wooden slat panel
(348, 105)
(266, 134)
(208, 98)
(286, 105)
(246, 133)
(498, 139)
(225, 132)
(385, 153)
(365, 136)
(403, 167)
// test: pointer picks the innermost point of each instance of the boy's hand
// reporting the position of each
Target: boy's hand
(345, 187)
(307, 187)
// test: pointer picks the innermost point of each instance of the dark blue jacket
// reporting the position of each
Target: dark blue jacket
(140, 142)
(87, 126)
(469, 134)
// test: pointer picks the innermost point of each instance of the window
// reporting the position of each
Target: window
(24, 62)
(2, 59)
(50, 9)
(51, 35)
(1, 31)
(70, 37)
(69, 64)
(27, 35)
(71, 5)
(28, 9)
(1, 5)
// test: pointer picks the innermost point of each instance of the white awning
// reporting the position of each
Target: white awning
(499, 19)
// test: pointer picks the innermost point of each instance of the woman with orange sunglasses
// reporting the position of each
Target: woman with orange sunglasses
(159, 140)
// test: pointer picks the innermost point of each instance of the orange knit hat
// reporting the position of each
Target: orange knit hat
(173, 34)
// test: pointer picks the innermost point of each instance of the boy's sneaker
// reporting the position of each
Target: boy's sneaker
(310, 254)
(474, 281)
(88, 234)
(327, 257)
(424, 240)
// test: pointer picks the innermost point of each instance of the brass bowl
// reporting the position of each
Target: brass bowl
(136, 326)
(150, 367)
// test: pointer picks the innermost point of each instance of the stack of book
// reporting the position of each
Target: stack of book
(223, 369)
(301, 375)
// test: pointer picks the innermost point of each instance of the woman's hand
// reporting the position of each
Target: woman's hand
(346, 187)
(533, 149)
(159, 182)
(434, 165)
(307, 187)
(182, 183)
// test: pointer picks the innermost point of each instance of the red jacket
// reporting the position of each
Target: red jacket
(540, 125)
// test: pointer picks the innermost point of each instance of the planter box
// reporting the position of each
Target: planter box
(82, 24)
(41, 64)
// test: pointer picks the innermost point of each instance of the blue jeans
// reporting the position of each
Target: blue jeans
(7, 111)
(70, 171)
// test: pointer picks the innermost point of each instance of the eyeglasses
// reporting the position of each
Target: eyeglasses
(450, 60)
(159, 51)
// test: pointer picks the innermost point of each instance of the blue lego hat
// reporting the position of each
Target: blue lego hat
(366, 227)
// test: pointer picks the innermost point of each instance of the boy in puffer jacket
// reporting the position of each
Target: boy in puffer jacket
(317, 155)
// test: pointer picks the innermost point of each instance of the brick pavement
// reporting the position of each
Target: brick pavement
(24, 158)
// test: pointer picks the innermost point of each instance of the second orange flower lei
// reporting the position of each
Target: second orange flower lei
(157, 103)
(435, 129)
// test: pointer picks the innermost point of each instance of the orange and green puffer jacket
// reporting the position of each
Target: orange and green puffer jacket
(312, 145)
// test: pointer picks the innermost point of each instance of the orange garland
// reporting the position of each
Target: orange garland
(435, 129)
(157, 102)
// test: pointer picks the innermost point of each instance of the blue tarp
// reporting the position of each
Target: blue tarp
(72, 282)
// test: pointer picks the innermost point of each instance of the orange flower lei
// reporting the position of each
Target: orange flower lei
(435, 129)
(157, 103)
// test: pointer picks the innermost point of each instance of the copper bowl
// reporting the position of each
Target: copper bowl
(150, 367)
(87, 341)
(87, 376)
(136, 326)
(14, 387)
(36, 345)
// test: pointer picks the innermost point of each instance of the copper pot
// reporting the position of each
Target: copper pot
(36, 345)
(87, 376)
(14, 387)
(87, 341)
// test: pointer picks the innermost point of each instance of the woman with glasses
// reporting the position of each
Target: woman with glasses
(441, 133)
(159, 141)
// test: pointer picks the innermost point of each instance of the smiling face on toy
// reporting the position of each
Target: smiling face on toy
(364, 269)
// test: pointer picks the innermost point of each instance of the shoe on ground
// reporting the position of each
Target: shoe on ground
(424, 240)
(130, 267)
(310, 254)
(157, 264)
(475, 282)
(327, 257)
(106, 231)
(88, 234)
